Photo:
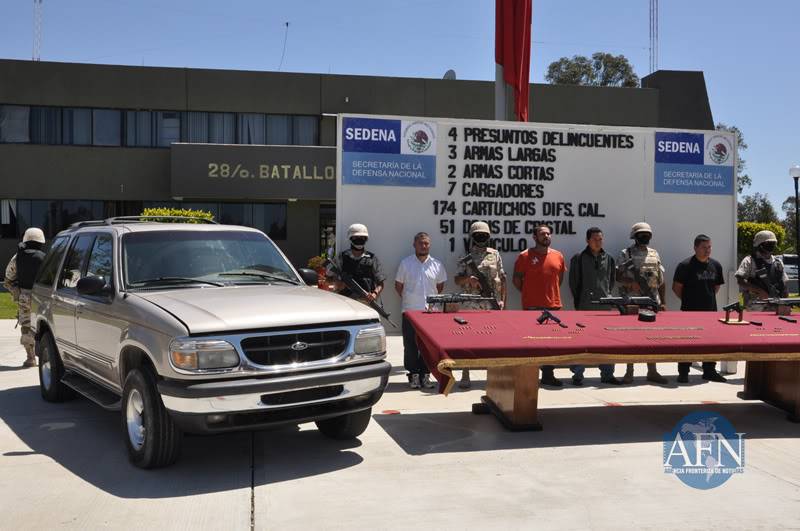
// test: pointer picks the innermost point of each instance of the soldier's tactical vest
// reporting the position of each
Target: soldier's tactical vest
(29, 258)
(361, 269)
(774, 275)
(648, 268)
(489, 265)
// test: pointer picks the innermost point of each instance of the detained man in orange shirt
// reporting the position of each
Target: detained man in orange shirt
(538, 273)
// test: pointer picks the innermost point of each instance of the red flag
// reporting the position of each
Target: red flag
(512, 49)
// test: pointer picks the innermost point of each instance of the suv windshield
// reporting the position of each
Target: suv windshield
(202, 257)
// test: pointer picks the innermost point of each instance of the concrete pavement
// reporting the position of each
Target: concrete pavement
(425, 460)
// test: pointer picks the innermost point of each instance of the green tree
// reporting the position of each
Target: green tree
(603, 70)
(747, 230)
(742, 179)
(757, 208)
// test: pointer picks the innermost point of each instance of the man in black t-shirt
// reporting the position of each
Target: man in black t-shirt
(696, 283)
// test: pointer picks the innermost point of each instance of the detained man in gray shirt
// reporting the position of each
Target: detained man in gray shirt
(592, 273)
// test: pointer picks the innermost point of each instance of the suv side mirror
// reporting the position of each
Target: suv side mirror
(93, 286)
(309, 276)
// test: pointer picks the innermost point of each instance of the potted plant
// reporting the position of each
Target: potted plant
(317, 263)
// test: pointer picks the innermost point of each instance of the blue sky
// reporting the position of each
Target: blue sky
(748, 50)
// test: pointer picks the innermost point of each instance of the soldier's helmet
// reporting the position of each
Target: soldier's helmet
(357, 229)
(33, 234)
(764, 236)
(640, 227)
(479, 226)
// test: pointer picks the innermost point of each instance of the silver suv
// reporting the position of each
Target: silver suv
(200, 328)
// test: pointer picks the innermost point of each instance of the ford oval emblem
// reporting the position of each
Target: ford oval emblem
(299, 345)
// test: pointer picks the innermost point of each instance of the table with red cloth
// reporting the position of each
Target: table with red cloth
(511, 346)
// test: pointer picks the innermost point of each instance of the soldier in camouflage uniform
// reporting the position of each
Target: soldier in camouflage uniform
(490, 264)
(19, 275)
(640, 273)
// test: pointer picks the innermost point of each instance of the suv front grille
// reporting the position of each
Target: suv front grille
(302, 347)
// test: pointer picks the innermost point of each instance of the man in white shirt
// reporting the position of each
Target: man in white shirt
(418, 276)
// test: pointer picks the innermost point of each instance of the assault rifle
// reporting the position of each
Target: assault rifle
(487, 290)
(621, 302)
(778, 301)
(356, 288)
(761, 280)
(451, 298)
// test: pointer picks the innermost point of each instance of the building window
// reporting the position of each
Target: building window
(305, 130)
(279, 129)
(106, 127)
(194, 127)
(222, 128)
(236, 214)
(14, 124)
(77, 125)
(75, 211)
(168, 128)
(55, 216)
(8, 219)
(252, 128)
(271, 219)
(45, 125)
(138, 128)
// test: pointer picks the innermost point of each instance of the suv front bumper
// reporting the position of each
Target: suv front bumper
(249, 403)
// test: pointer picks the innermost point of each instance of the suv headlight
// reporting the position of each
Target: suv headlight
(202, 354)
(371, 342)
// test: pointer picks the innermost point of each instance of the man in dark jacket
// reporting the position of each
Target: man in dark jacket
(592, 274)
(20, 273)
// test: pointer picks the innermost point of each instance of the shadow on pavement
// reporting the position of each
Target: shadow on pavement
(6, 368)
(429, 433)
(88, 442)
(284, 456)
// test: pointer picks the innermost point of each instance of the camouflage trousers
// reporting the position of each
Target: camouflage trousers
(24, 319)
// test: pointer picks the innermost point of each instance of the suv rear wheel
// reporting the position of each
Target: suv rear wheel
(51, 370)
(347, 426)
(152, 437)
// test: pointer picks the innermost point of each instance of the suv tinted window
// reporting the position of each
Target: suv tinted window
(194, 254)
(101, 259)
(75, 262)
(47, 273)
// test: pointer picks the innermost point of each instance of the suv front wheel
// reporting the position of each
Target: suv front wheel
(152, 437)
(347, 426)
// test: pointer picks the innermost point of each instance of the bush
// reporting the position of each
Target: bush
(746, 231)
(197, 215)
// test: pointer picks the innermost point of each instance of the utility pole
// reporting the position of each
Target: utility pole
(653, 35)
(37, 30)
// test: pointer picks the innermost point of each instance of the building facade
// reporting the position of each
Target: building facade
(82, 141)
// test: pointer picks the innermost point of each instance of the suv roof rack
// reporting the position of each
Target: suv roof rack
(136, 219)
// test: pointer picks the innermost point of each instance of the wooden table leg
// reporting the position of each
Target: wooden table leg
(775, 382)
(512, 395)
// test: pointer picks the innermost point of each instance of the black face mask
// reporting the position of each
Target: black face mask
(358, 243)
(643, 238)
(768, 247)
(481, 239)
